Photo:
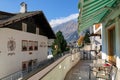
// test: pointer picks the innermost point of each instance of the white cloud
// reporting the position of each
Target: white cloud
(55, 22)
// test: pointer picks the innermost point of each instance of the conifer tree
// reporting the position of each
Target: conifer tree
(60, 44)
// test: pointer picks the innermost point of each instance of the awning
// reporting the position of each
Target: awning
(93, 11)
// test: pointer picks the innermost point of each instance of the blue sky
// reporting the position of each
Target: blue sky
(56, 11)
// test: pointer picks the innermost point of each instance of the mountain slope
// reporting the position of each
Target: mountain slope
(69, 30)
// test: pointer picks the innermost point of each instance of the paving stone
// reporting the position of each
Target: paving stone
(80, 71)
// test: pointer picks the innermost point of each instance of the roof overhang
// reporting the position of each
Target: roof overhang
(6, 13)
(39, 18)
(94, 11)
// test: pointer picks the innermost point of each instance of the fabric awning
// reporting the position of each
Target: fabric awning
(93, 11)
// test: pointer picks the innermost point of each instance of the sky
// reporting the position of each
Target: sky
(56, 11)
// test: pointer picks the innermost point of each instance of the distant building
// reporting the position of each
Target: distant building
(50, 42)
(96, 41)
(23, 40)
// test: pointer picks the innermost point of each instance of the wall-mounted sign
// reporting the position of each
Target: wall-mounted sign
(11, 45)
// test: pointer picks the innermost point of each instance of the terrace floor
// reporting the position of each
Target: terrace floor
(80, 71)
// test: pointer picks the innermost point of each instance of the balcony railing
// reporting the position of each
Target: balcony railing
(39, 66)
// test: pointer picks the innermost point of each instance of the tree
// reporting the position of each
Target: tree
(60, 44)
(84, 39)
(80, 40)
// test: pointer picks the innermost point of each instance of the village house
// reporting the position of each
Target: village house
(24, 40)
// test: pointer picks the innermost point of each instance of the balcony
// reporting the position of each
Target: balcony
(74, 66)
(92, 68)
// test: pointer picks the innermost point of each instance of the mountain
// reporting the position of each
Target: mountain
(69, 30)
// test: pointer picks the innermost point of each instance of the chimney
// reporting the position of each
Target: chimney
(23, 8)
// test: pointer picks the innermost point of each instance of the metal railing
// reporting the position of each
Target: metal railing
(14, 76)
(21, 74)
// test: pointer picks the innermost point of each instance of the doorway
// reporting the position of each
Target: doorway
(112, 45)
(24, 65)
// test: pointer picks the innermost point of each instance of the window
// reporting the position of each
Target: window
(35, 45)
(24, 65)
(37, 30)
(24, 45)
(24, 27)
(30, 45)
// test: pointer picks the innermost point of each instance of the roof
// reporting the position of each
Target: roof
(41, 20)
(18, 17)
(94, 11)
(6, 13)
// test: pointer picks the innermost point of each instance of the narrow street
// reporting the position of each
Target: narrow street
(80, 71)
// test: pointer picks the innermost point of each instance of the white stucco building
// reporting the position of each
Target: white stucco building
(23, 40)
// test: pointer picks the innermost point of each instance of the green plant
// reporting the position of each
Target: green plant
(60, 44)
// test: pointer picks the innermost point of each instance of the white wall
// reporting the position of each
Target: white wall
(10, 64)
(117, 28)
(105, 42)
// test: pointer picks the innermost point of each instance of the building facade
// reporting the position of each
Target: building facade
(107, 13)
(24, 40)
(111, 38)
